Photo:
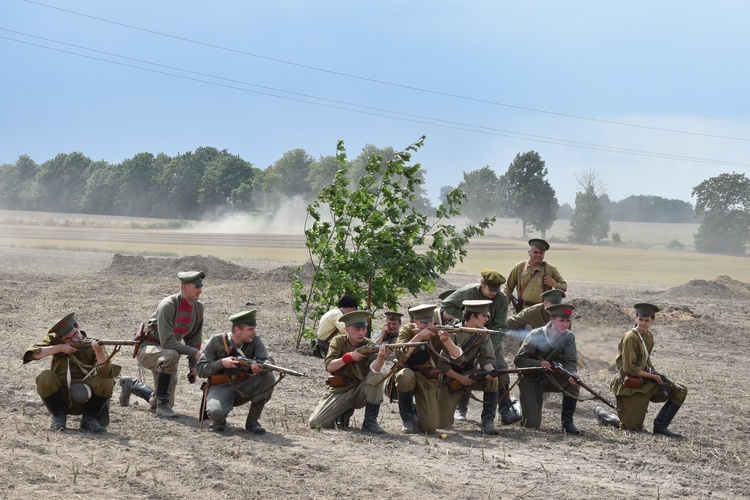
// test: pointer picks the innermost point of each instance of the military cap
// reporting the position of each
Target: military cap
(64, 326)
(193, 277)
(492, 279)
(539, 243)
(478, 306)
(445, 294)
(393, 315)
(423, 312)
(355, 318)
(564, 310)
(244, 318)
(645, 309)
(553, 296)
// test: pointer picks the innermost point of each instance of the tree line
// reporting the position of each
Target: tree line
(209, 181)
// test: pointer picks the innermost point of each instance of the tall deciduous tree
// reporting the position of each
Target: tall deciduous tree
(367, 240)
(63, 182)
(589, 222)
(527, 194)
(482, 189)
(724, 203)
(18, 185)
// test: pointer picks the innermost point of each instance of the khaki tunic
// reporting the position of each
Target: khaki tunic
(532, 292)
(48, 382)
(541, 345)
(365, 386)
(633, 403)
(535, 315)
(476, 355)
(330, 325)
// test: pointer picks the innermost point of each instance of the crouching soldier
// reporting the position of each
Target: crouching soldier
(354, 379)
(80, 380)
(230, 383)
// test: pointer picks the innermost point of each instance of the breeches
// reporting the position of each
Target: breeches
(221, 398)
(332, 405)
(633, 408)
(531, 395)
(448, 401)
(48, 383)
(425, 396)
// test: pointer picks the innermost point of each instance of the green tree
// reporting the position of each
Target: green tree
(368, 241)
(322, 172)
(180, 182)
(482, 188)
(62, 182)
(527, 194)
(643, 208)
(724, 203)
(222, 176)
(589, 222)
(18, 185)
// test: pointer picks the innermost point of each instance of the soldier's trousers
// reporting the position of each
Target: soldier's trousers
(531, 395)
(160, 360)
(333, 404)
(48, 383)
(425, 396)
(448, 401)
(633, 408)
(221, 398)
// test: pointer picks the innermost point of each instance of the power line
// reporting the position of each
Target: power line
(383, 82)
(346, 106)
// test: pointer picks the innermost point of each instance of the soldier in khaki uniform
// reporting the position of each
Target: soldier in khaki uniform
(79, 382)
(488, 288)
(530, 278)
(361, 374)
(552, 342)
(418, 378)
(478, 354)
(634, 362)
(389, 333)
(229, 385)
(536, 316)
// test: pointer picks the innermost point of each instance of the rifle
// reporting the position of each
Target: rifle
(248, 362)
(367, 350)
(668, 384)
(455, 385)
(463, 329)
(562, 371)
(86, 343)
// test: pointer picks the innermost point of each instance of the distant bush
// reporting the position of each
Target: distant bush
(675, 245)
(616, 238)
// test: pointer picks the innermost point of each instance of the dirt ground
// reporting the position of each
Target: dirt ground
(700, 341)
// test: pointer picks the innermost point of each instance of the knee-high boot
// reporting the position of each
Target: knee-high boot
(163, 410)
(568, 410)
(664, 418)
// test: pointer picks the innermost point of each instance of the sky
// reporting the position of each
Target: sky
(652, 96)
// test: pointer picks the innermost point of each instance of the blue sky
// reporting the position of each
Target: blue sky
(580, 82)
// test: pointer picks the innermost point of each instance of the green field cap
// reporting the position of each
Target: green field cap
(539, 243)
(423, 312)
(492, 278)
(478, 306)
(355, 318)
(564, 310)
(193, 277)
(553, 296)
(244, 318)
(64, 326)
(393, 315)
(645, 309)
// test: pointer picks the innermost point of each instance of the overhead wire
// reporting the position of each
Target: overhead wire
(384, 82)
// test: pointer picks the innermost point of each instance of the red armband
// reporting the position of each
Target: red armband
(347, 358)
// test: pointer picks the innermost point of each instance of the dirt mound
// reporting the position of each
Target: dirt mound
(599, 311)
(723, 287)
(136, 265)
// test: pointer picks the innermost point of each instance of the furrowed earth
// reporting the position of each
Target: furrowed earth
(700, 336)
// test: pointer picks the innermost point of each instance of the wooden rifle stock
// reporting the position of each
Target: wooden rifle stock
(557, 367)
(248, 362)
(86, 343)
(463, 329)
(454, 385)
(374, 349)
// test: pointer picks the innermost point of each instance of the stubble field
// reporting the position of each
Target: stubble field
(700, 341)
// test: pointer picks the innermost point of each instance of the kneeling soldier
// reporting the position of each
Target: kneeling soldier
(358, 377)
(230, 385)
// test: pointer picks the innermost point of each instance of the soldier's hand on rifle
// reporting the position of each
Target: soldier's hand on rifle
(383, 351)
(66, 349)
(465, 381)
(358, 356)
(658, 380)
(573, 381)
(546, 364)
(96, 347)
(444, 336)
(230, 362)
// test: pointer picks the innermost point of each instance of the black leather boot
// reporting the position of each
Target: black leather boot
(57, 407)
(489, 405)
(251, 423)
(664, 418)
(606, 418)
(163, 410)
(568, 410)
(406, 411)
(508, 414)
(342, 421)
(370, 423)
(130, 385)
(462, 408)
(90, 418)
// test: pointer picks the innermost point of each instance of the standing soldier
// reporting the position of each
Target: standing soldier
(389, 333)
(530, 278)
(358, 377)
(229, 385)
(488, 288)
(551, 343)
(478, 354)
(419, 376)
(174, 330)
(79, 381)
(637, 383)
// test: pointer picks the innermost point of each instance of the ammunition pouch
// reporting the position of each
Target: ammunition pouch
(632, 382)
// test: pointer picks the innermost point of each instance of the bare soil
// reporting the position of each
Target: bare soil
(701, 340)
